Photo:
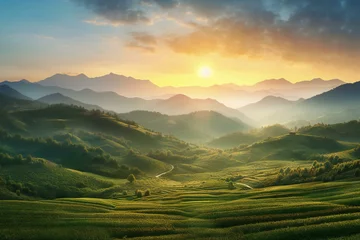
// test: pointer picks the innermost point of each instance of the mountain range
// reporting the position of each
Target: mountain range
(230, 94)
(338, 103)
(261, 111)
(176, 105)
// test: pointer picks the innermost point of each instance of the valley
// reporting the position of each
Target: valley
(148, 175)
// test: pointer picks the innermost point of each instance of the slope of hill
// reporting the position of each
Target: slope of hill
(324, 106)
(58, 98)
(194, 127)
(237, 139)
(8, 91)
(58, 119)
(181, 104)
(349, 131)
(267, 107)
(336, 99)
(10, 104)
(300, 147)
(47, 180)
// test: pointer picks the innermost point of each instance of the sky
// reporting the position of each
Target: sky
(168, 41)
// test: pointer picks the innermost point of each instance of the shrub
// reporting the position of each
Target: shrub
(2, 181)
(125, 193)
(231, 186)
(131, 178)
(139, 194)
(18, 192)
(357, 173)
(147, 193)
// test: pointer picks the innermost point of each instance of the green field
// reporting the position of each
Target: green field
(64, 171)
(306, 211)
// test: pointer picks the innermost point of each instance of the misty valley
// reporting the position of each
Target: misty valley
(98, 165)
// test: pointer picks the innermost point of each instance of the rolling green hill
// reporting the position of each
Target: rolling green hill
(11, 104)
(9, 92)
(245, 138)
(300, 147)
(58, 98)
(38, 178)
(70, 165)
(194, 127)
(349, 131)
(58, 119)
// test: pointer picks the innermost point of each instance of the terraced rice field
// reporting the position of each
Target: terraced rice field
(306, 211)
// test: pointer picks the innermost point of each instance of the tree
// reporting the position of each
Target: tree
(328, 166)
(131, 178)
(139, 194)
(147, 193)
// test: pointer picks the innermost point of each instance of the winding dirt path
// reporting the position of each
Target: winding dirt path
(245, 185)
(164, 173)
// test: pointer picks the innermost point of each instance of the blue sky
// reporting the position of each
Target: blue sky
(167, 41)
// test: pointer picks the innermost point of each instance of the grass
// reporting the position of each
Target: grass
(288, 212)
(191, 202)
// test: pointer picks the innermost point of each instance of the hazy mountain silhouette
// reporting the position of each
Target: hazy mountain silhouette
(324, 107)
(237, 139)
(107, 100)
(273, 84)
(346, 95)
(181, 104)
(10, 92)
(260, 111)
(230, 94)
(199, 126)
(58, 98)
(112, 82)
(176, 105)
(9, 103)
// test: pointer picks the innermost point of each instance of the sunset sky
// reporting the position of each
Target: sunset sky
(170, 41)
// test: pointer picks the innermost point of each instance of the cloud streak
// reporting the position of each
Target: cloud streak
(318, 31)
(142, 41)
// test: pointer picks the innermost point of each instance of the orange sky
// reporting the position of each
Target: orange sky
(243, 42)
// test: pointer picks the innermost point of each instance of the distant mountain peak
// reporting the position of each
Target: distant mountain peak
(272, 97)
(24, 81)
(56, 95)
(82, 75)
(317, 80)
(180, 97)
(87, 90)
(269, 83)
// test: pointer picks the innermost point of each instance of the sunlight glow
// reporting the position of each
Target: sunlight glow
(205, 72)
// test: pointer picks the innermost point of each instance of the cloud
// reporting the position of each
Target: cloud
(144, 38)
(137, 46)
(125, 11)
(142, 41)
(318, 31)
(116, 11)
(321, 31)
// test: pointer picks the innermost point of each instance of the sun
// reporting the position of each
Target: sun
(205, 72)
